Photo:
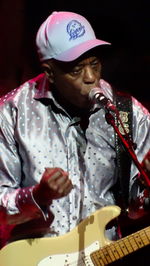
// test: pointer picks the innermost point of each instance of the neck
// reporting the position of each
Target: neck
(72, 110)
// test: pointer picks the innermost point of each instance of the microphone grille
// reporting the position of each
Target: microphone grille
(94, 93)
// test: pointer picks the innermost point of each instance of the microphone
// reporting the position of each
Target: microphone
(96, 96)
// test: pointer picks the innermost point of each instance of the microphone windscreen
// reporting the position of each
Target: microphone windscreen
(94, 93)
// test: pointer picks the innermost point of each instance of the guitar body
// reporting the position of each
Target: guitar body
(73, 248)
(86, 245)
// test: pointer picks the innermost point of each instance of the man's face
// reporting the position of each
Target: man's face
(74, 80)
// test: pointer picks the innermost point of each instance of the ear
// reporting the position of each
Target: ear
(48, 69)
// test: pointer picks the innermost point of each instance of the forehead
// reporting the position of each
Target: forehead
(85, 58)
(75, 62)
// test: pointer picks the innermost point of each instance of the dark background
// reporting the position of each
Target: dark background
(126, 24)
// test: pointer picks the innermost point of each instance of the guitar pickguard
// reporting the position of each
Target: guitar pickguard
(76, 258)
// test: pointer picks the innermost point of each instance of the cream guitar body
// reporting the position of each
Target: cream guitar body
(84, 245)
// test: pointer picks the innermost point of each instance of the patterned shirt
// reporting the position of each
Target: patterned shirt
(35, 133)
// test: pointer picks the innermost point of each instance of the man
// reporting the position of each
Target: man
(58, 157)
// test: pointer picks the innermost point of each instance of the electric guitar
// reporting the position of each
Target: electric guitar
(86, 244)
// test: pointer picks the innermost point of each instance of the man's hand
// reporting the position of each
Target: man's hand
(55, 184)
(146, 163)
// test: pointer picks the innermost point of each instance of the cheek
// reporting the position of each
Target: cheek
(65, 89)
(67, 86)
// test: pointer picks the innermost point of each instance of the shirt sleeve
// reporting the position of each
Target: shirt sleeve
(141, 132)
(141, 136)
(17, 204)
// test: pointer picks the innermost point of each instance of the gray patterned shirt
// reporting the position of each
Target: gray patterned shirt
(35, 134)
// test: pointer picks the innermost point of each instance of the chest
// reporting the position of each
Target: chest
(48, 139)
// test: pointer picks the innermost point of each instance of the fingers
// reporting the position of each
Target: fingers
(53, 173)
(146, 162)
(57, 181)
(65, 187)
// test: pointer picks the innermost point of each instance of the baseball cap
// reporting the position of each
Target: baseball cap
(65, 36)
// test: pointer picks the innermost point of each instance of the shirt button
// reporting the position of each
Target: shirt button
(74, 217)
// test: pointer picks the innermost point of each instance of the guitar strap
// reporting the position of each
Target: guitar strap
(123, 103)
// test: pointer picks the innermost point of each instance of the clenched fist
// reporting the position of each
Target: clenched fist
(55, 184)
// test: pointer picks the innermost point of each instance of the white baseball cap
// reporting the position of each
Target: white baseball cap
(65, 36)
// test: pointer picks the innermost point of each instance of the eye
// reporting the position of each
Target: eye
(76, 71)
(96, 65)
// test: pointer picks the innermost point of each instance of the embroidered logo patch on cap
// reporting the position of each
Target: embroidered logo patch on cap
(75, 29)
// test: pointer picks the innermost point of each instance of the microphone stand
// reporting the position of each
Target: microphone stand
(128, 145)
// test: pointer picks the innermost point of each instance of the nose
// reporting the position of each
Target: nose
(89, 75)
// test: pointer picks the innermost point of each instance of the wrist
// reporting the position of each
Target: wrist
(26, 203)
(35, 193)
(41, 196)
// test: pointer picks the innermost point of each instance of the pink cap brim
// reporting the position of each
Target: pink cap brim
(75, 52)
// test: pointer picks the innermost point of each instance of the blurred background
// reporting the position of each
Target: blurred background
(126, 24)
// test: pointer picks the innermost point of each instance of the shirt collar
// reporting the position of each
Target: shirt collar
(43, 90)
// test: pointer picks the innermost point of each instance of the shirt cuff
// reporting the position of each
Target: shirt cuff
(27, 205)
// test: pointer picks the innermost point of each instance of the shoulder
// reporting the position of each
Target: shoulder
(15, 96)
(16, 100)
(139, 108)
